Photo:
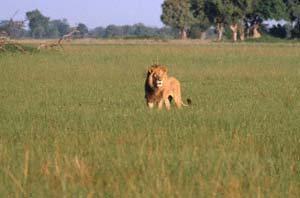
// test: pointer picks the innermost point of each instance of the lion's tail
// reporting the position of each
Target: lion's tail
(189, 102)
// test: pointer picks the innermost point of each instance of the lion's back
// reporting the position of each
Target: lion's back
(173, 84)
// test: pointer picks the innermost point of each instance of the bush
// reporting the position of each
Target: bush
(13, 48)
(278, 31)
(295, 33)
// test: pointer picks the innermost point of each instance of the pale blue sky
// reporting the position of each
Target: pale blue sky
(93, 13)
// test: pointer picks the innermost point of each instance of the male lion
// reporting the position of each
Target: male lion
(161, 88)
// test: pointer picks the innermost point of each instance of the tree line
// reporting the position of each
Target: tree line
(183, 19)
(242, 17)
(41, 26)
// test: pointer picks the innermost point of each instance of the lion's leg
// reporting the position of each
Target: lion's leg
(178, 101)
(167, 103)
(177, 97)
(160, 104)
(150, 105)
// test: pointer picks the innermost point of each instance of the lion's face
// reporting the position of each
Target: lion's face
(157, 76)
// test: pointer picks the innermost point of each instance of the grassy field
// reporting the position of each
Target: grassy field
(74, 122)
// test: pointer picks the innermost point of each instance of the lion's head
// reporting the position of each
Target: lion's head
(156, 76)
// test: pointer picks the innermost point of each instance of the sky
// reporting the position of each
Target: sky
(92, 13)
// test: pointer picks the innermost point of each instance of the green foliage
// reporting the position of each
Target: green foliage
(98, 32)
(219, 11)
(233, 11)
(112, 31)
(246, 13)
(58, 28)
(10, 48)
(167, 32)
(195, 32)
(177, 13)
(38, 23)
(293, 9)
(295, 33)
(141, 30)
(135, 31)
(271, 9)
(199, 10)
(14, 29)
(83, 30)
(278, 31)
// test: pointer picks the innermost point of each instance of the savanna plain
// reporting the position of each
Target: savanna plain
(74, 122)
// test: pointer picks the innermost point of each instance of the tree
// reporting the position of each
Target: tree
(271, 9)
(83, 30)
(167, 32)
(239, 10)
(38, 23)
(296, 30)
(13, 29)
(238, 14)
(140, 30)
(264, 10)
(293, 10)
(202, 23)
(231, 13)
(112, 31)
(58, 28)
(98, 32)
(178, 14)
(217, 13)
(128, 30)
(278, 31)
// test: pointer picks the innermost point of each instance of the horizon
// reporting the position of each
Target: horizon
(114, 12)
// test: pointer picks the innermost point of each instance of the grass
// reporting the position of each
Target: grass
(17, 48)
(74, 123)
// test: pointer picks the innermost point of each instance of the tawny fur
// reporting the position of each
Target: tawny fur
(161, 89)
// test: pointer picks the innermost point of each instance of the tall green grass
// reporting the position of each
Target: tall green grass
(74, 122)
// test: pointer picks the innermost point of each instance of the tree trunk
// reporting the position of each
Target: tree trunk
(248, 32)
(256, 33)
(242, 33)
(183, 34)
(220, 31)
(234, 29)
(202, 36)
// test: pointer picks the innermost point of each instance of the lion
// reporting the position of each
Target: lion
(160, 88)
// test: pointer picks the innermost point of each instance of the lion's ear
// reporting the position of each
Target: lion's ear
(164, 69)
